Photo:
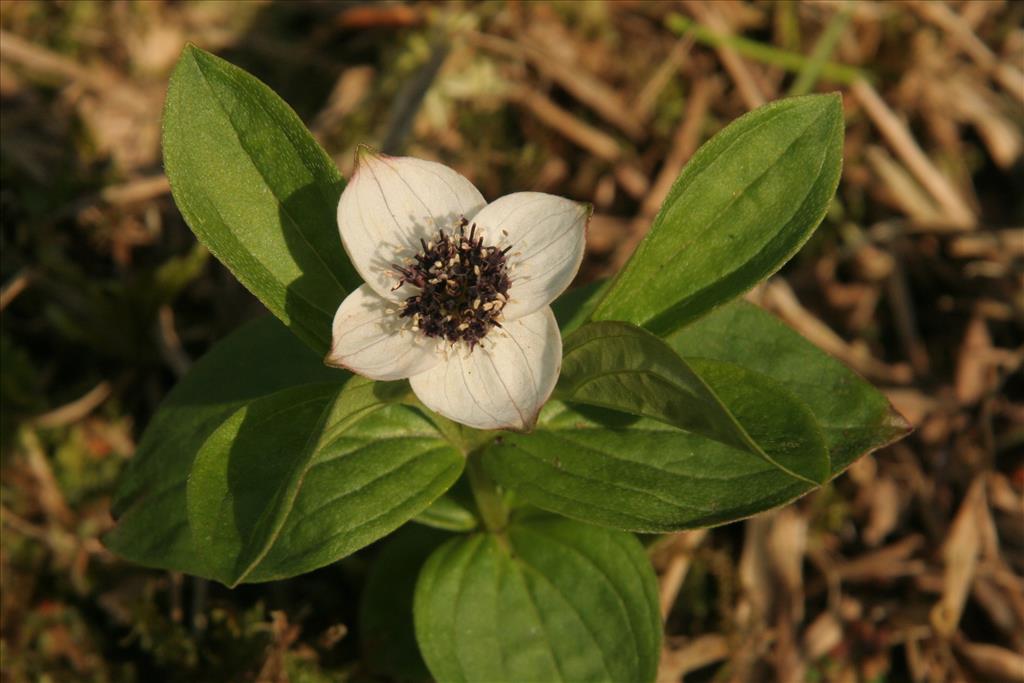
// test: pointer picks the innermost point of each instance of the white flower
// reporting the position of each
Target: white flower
(457, 291)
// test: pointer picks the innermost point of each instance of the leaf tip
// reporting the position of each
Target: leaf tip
(835, 103)
(190, 50)
(898, 424)
(831, 102)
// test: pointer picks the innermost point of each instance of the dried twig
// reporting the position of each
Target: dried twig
(963, 37)
(50, 496)
(170, 344)
(349, 91)
(15, 286)
(745, 82)
(75, 410)
(597, 142)
(696, 654)
(960, 556)
(684, 143)
(903, 144)
(902, 306)
(643, 103)
(136, 191)
(684, 545)
(48, 63)
(779, 297)
(586, 88)
(993, 662)
(901, 189)
(631, 179)
(886, 563)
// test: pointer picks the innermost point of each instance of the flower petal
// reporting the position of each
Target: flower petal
(369, 339)
(501, 384)
(547, 236)
(390, 203)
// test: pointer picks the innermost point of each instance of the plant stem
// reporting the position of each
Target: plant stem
(489, 501)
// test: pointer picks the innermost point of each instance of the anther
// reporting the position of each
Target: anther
(475, 286)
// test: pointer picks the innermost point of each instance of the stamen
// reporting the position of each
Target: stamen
(463, 286)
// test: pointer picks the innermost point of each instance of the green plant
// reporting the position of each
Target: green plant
(677, 405)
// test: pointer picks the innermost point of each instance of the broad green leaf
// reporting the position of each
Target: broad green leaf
(548, 600)
(855, 418)
(640, 475)
(296, 480)
(376, 475)
(622, 367)
(635, 474)
(264, 464)
(258, 191)
(386, 634)
(745, 203)
(259, 359)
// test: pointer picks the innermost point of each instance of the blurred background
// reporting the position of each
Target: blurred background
(908, 568)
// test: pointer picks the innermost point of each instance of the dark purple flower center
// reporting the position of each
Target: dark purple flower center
(463, 286)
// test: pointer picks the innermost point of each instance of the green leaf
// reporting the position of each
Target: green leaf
(549, 600)
(298, 479)
(258, 191)
(641, 475)
(258, 359)
(742, 207)
(855, 418)
(386, 633)
(263, 464)
(380, 473)
(635, 474)
(619, 366)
